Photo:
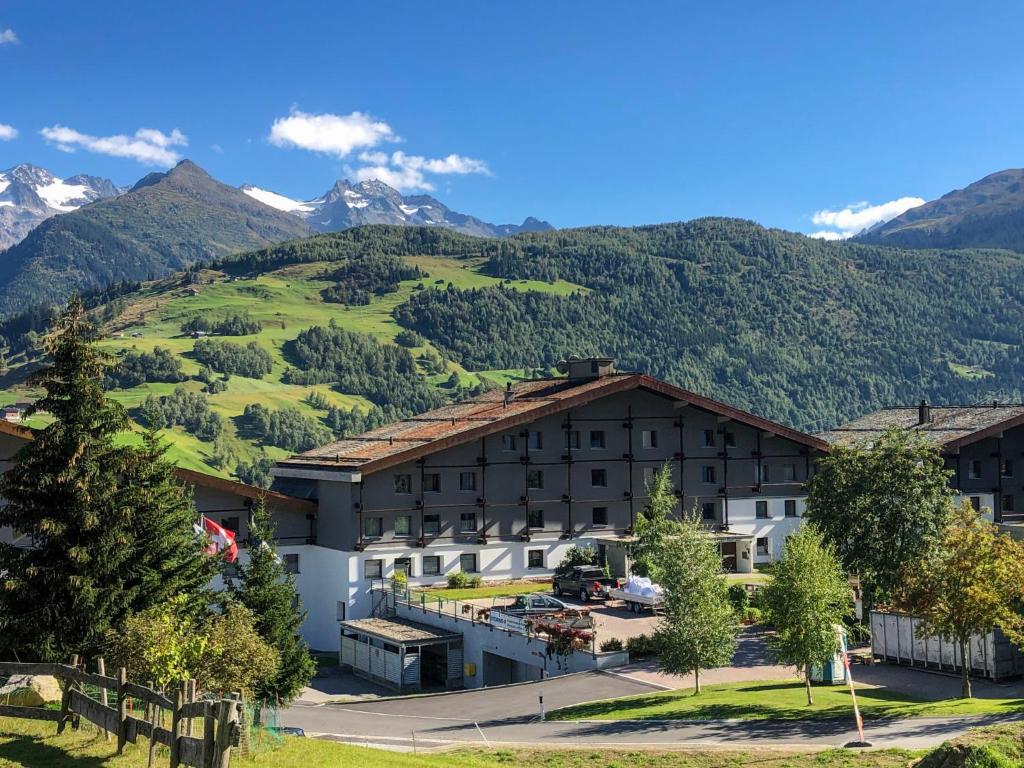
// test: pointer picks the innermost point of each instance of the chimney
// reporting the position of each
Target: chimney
(585, 368)
(508, 393)
(924, 413)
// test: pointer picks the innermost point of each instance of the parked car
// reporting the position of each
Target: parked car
(583, 581)
(526, 605)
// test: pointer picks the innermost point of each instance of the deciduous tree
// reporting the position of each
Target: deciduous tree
(881, 505)
(970, 583)
(807, 597)
(699, 628)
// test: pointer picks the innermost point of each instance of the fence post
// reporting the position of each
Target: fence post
(122, 709)
(153, 717)
(190, 698)
(179, 702)
(65, 699)
(227, 719)
(101, 667)
(209, 724)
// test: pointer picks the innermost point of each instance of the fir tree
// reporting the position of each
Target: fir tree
(169, 562)
(263, 586)
(61, 595)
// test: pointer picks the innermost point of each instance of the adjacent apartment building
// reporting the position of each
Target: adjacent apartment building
(983, 446)
(503, 484)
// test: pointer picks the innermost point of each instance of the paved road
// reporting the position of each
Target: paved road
(509, 715)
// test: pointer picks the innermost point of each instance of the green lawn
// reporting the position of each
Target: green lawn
(487, 590)
(778, 700)
(24, 743)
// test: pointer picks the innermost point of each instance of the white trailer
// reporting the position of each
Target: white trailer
(636, 603)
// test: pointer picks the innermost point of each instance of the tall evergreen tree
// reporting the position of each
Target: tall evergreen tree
(653, 526)
(264, 587)
(61, 595)
(169, 563)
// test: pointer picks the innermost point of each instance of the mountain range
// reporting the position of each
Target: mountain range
(29, 194)
(373, 202)
(986, 214)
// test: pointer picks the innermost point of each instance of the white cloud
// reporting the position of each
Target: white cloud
(7, 36)
(859, 216)
(332, 134)
(148, 146)
(8, 132)
(408, 173)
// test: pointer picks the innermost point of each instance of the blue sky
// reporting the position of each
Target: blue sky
(578, 112)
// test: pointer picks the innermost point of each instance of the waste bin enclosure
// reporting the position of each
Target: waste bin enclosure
(402, 655)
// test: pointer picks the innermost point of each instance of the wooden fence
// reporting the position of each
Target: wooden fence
(220, 720)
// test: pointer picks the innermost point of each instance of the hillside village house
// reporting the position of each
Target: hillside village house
(503, 484)
(983, 446)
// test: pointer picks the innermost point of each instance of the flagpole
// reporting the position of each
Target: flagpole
(853, 696)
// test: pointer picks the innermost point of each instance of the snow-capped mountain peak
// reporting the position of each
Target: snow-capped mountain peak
(372, 201)
(29, 194)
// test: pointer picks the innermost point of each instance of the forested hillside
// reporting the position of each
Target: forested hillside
(274, 350)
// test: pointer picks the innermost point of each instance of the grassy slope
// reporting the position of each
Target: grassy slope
(285, 301)
(25, 743)
(784, 700)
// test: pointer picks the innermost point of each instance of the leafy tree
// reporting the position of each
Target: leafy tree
(699, 628)
(64, 489)
(807, 597)
(577, 555)
(189, 409)
(255, 472)
(881, 506)
(971, 582)
(263, 586)
(653, 526)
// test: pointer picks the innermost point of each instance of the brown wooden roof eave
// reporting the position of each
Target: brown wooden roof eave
(981, 434)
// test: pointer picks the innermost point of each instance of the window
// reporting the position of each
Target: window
(976, 503)
(707, 510)
(597, 438)
(649, 438)
(535, 518)
(432, 482)
(761, 474)
(707, 474)
(730, 439)
(534, 479)
(648, 476)
(403, 483)
(599, 478)
(291, 563)
(373, 569)
(508, 442)
(788, 473)
(762, 547)
(535, 558)
(974, 469)
(403, 565)
(1007, 502)
(467, 522)
(535, 441)
(431, 525)
(467, 563)
(572, 440)
(600, 515)
(761, 510)
(373, 527)
(1007, 467)
(790, 507)
(403, 525)
(229, 523)
(709, 438)
(431, 565)
(467, 481)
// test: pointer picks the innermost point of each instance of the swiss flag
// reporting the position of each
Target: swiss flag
(220, 538)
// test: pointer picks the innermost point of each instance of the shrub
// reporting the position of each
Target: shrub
(739, 598)
(407, 338)
(752, 616)
(577, 555)
(611, 645)
(459, 580)
(400, 580)
(641, 646)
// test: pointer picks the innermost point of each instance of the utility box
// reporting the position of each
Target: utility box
(832, 671)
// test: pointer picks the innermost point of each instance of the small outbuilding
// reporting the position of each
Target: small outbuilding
(402, 655)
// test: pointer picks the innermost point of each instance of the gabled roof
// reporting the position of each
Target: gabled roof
(948, 426)
(488, 414)
(197, 478)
